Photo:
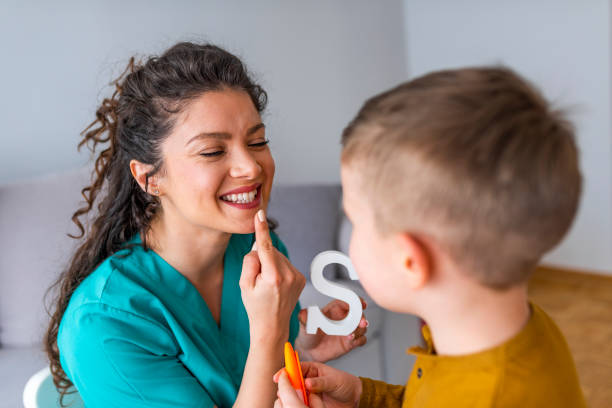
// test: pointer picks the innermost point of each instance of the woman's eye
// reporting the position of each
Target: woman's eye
(259, 144)
(212, 154)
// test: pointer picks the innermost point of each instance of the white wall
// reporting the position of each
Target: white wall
(317, 59)
(564, 47)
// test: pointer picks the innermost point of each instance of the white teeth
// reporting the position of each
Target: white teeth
(241, 198)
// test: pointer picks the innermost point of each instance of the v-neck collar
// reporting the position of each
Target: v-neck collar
(232, 309)
(234, 321)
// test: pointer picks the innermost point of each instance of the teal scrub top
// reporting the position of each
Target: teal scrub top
(137, 333)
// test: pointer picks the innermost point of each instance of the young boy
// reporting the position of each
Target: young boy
(457, 183)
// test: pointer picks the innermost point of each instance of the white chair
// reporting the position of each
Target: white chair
(40, 392)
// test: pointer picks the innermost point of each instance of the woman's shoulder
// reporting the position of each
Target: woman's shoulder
(114, 297)
(118, 266)
(113, 285)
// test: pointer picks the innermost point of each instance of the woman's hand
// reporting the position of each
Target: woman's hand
(270, 288)
(288, 397)
(328, 387)
(322, 347)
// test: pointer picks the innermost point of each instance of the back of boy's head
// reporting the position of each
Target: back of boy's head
(474, 159)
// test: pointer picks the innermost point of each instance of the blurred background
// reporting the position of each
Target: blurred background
(318, 60)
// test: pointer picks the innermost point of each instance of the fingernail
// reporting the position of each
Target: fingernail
(299, 393)
(261, 215)
(351, 336)
(367, 323)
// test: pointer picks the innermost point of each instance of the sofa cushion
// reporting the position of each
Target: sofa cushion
(35, 218)
(308, 218)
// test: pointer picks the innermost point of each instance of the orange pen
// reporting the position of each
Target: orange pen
(294, 370)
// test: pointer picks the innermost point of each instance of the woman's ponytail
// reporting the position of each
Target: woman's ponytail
(102, 130)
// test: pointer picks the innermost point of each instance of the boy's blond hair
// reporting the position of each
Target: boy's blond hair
(473, 158)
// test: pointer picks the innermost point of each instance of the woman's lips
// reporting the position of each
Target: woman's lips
(245, 206)
(242, 189)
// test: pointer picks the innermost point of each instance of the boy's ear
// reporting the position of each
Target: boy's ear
(415, 260)
(139, 172)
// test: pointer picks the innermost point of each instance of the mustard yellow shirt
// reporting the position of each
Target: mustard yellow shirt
(534, 369)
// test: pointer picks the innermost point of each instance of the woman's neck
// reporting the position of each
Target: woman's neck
(196, 252)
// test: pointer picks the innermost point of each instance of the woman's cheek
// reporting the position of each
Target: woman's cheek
(269, 168)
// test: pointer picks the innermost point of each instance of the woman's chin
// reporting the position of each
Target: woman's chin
(242, 228)
(243, 223)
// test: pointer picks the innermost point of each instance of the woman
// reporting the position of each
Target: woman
(164, 304)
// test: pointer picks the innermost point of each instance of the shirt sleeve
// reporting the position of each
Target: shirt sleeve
(380, 394)
(120, 359)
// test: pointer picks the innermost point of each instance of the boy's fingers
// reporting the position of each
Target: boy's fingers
(303, 316)
(310, 368)
(335, 307)
(361, 341)
(340, 306)
(318, 384)
(315, 401)
(361, 329)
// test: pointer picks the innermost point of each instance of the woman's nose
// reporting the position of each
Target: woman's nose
(244, 165)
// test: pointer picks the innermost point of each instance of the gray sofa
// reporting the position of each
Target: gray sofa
(34, 221)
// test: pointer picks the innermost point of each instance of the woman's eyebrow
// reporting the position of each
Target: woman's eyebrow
(255, 128)
(224, 135)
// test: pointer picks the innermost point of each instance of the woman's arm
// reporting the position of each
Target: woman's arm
(270, 287)
(257, 389)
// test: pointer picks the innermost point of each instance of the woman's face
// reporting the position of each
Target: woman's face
(218, 170)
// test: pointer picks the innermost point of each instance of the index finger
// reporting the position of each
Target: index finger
(265, 248)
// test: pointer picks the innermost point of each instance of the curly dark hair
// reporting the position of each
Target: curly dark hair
(132, 124)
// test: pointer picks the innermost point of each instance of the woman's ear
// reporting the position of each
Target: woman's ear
(139, 172)
(415, 260)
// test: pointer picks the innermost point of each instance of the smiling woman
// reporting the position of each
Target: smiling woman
(215, 161)
(164, 304)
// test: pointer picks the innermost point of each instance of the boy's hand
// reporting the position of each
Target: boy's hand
(322, 347)
(328, 387)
